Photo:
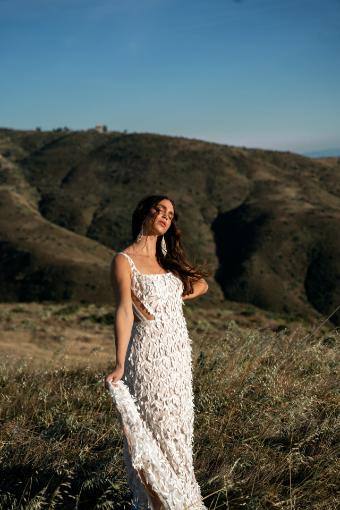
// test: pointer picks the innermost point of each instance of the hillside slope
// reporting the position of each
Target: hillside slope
(266, 222)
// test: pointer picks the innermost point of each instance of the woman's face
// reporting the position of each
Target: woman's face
(163, 214)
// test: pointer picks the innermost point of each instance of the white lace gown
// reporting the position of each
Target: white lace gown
(155, 397)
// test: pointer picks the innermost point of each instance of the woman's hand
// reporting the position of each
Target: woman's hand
(115, 376)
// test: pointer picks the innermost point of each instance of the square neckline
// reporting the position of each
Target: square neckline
(144, 274)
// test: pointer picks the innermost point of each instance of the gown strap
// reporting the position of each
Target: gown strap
(131, 262)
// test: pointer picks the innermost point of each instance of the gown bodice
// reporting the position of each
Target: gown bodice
(160, 293)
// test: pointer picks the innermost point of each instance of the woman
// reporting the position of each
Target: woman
(152, 381)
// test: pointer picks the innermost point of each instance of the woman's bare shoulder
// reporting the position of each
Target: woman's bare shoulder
(119, 261)
(120, 271)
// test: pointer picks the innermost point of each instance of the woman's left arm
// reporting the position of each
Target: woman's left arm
(200, 287)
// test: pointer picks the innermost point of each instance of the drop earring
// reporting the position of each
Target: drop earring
(141, 233)
(163, 246)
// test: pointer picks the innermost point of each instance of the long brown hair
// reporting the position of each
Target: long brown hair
(175, 259)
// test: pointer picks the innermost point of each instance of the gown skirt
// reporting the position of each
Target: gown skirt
(155, 396)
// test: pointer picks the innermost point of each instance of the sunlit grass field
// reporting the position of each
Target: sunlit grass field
(266, 411)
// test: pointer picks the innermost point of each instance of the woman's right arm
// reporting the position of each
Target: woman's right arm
(120, 275)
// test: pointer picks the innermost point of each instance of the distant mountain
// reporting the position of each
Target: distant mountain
(326, 153)
(266, 222)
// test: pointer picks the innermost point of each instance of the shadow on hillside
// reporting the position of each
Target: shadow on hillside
(237, 235)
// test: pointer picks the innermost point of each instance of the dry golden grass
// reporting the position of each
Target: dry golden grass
(266, 419)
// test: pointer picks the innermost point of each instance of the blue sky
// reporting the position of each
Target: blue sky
(256, 73)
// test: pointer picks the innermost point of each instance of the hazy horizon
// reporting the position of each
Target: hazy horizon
(329, 152)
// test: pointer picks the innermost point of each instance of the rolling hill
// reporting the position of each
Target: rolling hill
(266, 222)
